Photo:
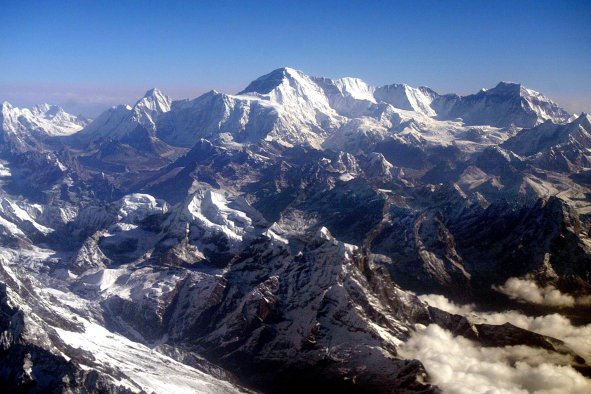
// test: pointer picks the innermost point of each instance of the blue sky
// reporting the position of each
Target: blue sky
(87, 55)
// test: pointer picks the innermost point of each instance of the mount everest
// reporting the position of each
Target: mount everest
(292, 237)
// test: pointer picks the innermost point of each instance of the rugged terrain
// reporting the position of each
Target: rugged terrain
(292, 237)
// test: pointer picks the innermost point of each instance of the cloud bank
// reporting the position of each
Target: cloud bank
(524, 290)
(553, 325)
(459, 366)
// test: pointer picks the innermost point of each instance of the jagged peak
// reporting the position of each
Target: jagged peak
(266, 83)
(114, 110)
(505, 87)
(407, 89)
(46, 109)
(583, 120)
(352, 81)
(396, 86)
(513, 88)
(355, 87)
(290, 71)
(43, 106)
(154, 92)
(42, 110)
(209, 95)
(155, 99)
(403, 96)
(508, 83)
(287, 71)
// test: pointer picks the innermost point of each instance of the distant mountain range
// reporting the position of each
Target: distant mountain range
(290, 237)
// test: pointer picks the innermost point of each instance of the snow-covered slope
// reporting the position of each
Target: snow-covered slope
(504, 105)
(24, 128)
(43, 119)
(405, 97)
(285, 106)
(117, 122)
(65, 340)
(247, 118)
(548, 134)
(563, 147)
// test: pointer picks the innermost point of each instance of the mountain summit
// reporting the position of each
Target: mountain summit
(293, 108)
(504, 105)
(266, 83)
(24, 128)
(155, 100)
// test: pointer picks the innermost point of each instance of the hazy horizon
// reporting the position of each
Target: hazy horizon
(92, 101)
(88, 57)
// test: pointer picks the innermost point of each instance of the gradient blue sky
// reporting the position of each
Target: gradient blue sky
(87, 55)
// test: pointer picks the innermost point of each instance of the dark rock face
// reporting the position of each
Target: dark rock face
(276, 307)
(433, 251)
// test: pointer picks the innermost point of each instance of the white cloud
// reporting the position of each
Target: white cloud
(554, 325)
(441, 302)
(458, 365)
(525, 290)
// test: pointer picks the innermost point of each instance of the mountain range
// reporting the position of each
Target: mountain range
(294, 236)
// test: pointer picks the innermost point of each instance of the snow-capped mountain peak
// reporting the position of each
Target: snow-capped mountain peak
(408, 98)
(107, 123)
(504, 105)
(290, 107)
(266, 83)
(155, 99)
(584, 119)
(42, 120)
(119, 121)
(548, 136)
(289, 87)
(507, 87)
(148, 108)
(45, 109)
(356, 88)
